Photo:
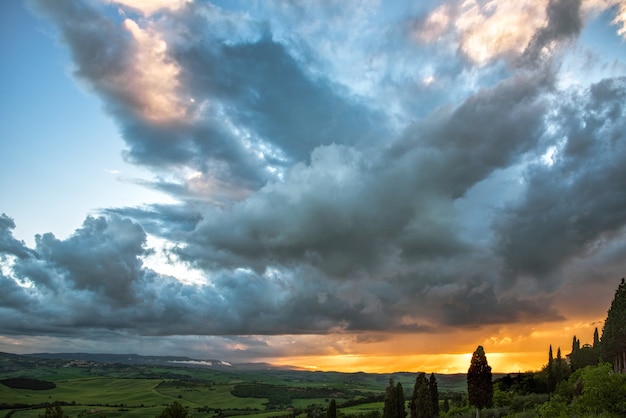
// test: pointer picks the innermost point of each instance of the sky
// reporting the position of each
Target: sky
(350, 185)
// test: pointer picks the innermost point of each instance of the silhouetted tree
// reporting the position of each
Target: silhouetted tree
(421, 403)
(434, 394)
(613, 342)
(479, 384)
(394, 401)
(174, 410)
(562, 370)
(596, 339)
(332, 409)
(550, 372)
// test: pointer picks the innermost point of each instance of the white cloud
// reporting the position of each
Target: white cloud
(150, 6)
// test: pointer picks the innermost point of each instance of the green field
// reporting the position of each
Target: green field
(121, 390)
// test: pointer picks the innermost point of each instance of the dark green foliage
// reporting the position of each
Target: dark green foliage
(479, 384)
(446, 405)
(421, 401)
(280, 395)
(394, 401)
(26, 383)
(593, 390)
(53, 411)
(174, 410)
(332, 409)
(613, 343)
(434, 394)
(522, 383)
(556, 370)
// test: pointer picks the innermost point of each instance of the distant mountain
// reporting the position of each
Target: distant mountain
(174, 361)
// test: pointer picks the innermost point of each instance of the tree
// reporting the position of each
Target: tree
(434, 394)
(421, 401)
(613, 342)
(332, 409)
(53, 411)
(479, 384)
(394, 401)
(550, 372)
(174, 410)
(561, 369)
(596, 339)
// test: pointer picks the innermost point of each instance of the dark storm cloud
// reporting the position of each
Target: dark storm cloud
(580, 200)
(355, 212)
(102, 257)
(564, 22)
(476, 302)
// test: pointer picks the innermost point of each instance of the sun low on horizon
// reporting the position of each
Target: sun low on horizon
(347, 186)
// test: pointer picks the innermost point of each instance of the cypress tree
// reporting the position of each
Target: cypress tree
(394, 401)
(332, 409)
(420, 404)
(479, 384)
(434, 394)
(550, 372)
(613, 343)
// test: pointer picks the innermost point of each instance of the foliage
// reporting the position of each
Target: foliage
(522, 383)
(174, 410)
(602, 390)
(421, 401)
(479, 384)
(394, 401)
(53, 411)
(332, 409)
(434, 394)
(613, 342)
(590, 391)
(27, 383)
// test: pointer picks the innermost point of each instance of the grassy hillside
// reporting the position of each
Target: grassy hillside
(122, 390)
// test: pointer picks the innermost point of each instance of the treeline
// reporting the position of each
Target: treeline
(27, 383)
(280, 395)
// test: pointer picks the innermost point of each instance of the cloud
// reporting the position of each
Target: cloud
(577, 203)
(8, 244)
(190, 100)
(427, 172)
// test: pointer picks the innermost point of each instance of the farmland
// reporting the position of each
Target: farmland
(121, 390)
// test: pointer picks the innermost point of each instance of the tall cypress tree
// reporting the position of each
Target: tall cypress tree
(550, 372)
(332, 409)
(479, 384)
(613, 342)
(390, 410)
(434, 394)
(420, 404)
(394, 401)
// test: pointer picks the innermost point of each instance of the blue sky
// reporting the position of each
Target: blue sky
(63, 153)
(311, 182)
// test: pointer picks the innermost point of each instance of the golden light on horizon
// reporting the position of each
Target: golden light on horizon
(509, 349)
(429, 363)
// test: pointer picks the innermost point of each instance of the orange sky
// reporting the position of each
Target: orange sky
(509, 349)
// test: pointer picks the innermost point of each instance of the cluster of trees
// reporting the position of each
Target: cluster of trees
(423, 403)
